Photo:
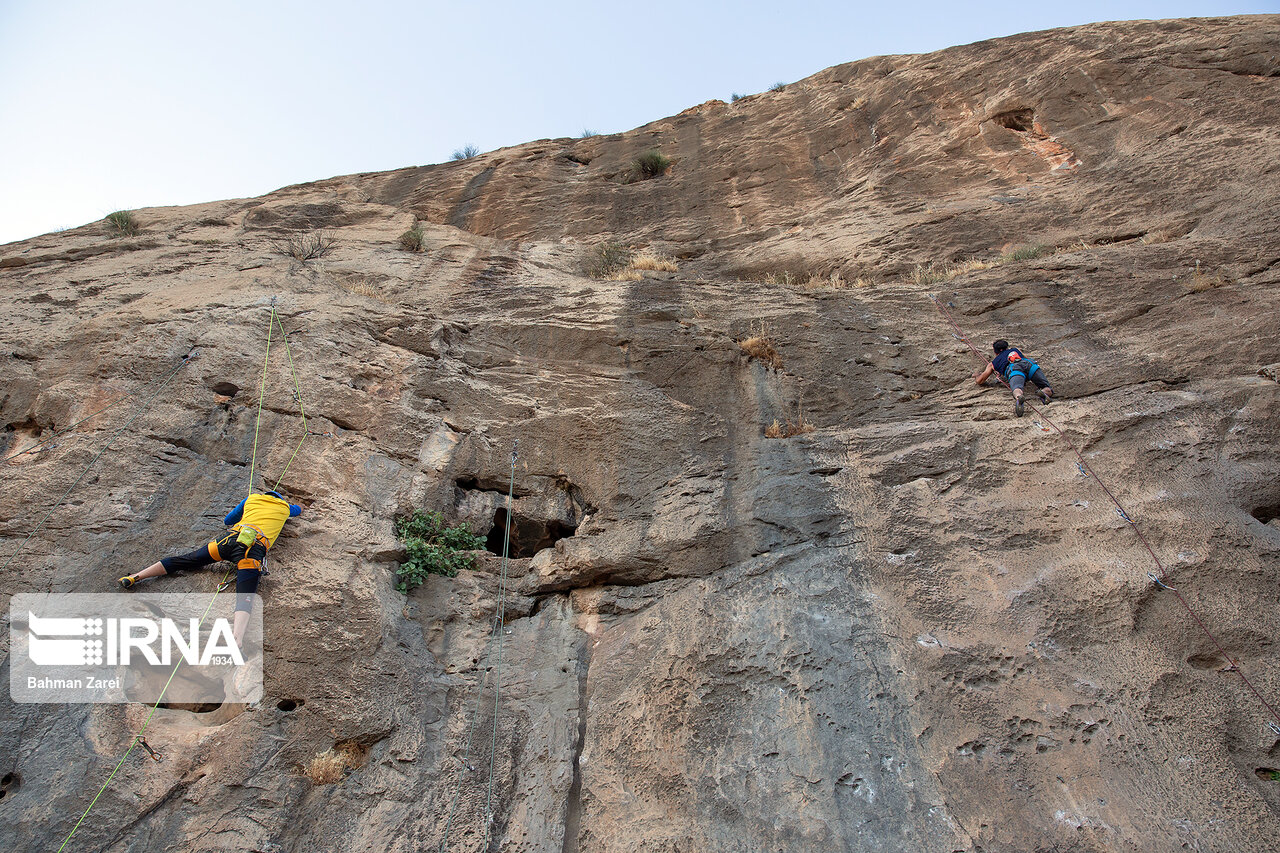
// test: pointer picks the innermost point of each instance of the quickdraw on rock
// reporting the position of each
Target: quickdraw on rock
(142, 742)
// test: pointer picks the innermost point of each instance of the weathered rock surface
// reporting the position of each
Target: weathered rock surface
(917, 628)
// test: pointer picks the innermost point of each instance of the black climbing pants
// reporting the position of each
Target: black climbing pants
(248, 563)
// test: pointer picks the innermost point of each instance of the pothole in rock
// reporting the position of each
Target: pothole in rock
(528, 535)
(193, 707)
(1268, 774)
(225, 389)
(288, 705)
(9, 784)
(1266, 514)
(1021, 121)
(1206, 660)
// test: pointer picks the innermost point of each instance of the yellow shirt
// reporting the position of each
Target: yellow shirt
(266, 514)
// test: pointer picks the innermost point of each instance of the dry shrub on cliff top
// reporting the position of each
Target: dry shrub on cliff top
(304, 247)
(465, 153)
(123, 223)
(332, 765)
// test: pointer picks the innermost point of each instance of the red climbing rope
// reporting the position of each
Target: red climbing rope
(1161, 580)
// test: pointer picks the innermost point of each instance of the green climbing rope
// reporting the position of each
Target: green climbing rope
(262, 392)
(297, 395)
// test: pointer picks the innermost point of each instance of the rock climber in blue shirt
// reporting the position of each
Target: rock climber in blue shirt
(1016, 368)
(255, 524)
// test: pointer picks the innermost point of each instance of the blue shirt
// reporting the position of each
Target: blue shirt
(1001, 362)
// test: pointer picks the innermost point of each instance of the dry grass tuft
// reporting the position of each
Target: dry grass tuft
(332, 765)
(1202, 280)
(627, 274)
(799, 426)
(1028, 253)
(651, 260)
(760, 347)
(362, 285)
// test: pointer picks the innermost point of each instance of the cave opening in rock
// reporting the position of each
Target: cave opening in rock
(226, 389)
(193, 707)
(288, 705)
(528, 535)
(1022, 121)
(1266, 514)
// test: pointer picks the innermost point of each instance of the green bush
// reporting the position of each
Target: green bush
(735, 97)
(587, 133)
(433, 548)
(778, 87)
(413, 240)
(123, 223)
(650, 164)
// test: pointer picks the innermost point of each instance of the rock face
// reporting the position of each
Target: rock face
(919, 627)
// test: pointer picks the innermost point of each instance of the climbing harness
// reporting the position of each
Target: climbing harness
(497, 631)
(1161, 575)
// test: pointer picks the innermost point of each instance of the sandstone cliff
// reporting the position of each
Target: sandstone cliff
(919, 627)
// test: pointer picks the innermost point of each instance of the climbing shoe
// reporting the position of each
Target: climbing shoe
(1019, 406)
(1044, 398)
(128, 581)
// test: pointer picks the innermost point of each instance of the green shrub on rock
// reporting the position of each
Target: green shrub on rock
(433, 548)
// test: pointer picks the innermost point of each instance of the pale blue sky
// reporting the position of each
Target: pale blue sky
(138, 103)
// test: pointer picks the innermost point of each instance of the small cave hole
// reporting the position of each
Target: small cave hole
(1021, 121)
(193, 707)
(1267, 774)
(29, 424)
(528, 536)
(226, 389)
(7, 780)
(1206, 660)
(1266, 514)
(288, 705)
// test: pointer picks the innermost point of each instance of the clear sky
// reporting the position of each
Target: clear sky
(110, 105)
